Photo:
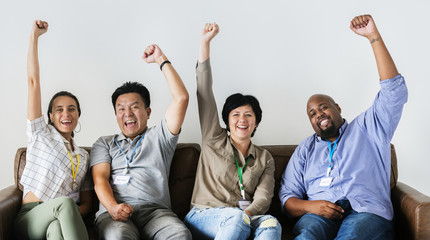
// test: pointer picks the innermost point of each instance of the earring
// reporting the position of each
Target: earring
(79, 128)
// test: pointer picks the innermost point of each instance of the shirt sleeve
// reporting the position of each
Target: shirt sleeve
(208, 113)
(169, 140)
(292, 184)
(100, 153)
(88, 183)
(382, 118)
(264, 192)
(34, 126)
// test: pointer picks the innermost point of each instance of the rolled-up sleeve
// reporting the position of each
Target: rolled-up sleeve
(292, 184)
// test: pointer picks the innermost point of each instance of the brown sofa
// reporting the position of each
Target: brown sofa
(412, 208)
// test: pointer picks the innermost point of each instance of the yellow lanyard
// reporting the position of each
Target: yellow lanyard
(73, 168)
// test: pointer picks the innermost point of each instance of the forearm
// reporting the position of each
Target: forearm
(174, 81)
(296, 207)
(264, 191)
(175, 113)
(34, 109)
(208, 112)
(85, 203)
(386, 67)
(204, 51)
(104, 193)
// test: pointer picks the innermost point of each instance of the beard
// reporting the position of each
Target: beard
(328, 132)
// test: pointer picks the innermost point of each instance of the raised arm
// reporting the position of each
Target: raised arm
(208, 112)
(365, 26)
(175, 113)
(101, 176)
(209, 32)
(34, 108)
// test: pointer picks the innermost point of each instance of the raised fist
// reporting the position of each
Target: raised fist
(152, 53)
(364, 26)
(39, 27)
(209, 31)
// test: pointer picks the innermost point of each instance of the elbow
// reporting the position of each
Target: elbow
(183, 99)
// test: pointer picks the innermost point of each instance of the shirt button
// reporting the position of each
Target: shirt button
(338, 188)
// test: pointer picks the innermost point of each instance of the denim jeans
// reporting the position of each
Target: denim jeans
(353, 225)
(231, 223)
(147, 222)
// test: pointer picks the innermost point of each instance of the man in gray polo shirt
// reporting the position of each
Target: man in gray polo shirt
(131, 169)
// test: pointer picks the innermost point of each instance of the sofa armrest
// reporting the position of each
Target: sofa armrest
(10, 202)
(412, 212)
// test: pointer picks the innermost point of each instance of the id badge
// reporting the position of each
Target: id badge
(325, 182)
(121, 180)
(74, 196)
(243, 204)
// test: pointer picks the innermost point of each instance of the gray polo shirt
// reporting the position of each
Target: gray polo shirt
(148, 169)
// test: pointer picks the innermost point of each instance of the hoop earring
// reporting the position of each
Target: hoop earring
(79, 128)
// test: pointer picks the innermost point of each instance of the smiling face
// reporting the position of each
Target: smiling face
(242, 123)
(325, 116)
(64, 115)
(131, 114)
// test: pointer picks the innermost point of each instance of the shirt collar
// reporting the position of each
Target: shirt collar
(341, 130)
(251, 150)
(121, 136)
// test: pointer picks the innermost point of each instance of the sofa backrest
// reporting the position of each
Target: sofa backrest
(184, 166)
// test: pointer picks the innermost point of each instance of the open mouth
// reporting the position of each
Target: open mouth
(66, 122)
(242, 127)
(130, 123)
(324, 122)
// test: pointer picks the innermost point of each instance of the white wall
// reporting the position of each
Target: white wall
(280, 51)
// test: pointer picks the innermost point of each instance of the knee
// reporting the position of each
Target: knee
(65, 203)
(117, 232)
(237, 217)
(182, 233)
(270, 222)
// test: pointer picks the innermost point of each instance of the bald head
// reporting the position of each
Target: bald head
(321, 97)
(325, 115)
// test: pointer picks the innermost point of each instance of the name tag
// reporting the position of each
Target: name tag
(74, 196)
(243, 204)
(121, 180)
(325, 182)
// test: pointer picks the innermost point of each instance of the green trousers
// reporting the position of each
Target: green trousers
(58, 218)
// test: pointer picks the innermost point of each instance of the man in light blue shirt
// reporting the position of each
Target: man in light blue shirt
(338, 180)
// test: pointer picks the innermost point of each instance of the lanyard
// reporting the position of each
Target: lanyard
(240, 171)
(331, 151)
(74, 173)
(127, 160)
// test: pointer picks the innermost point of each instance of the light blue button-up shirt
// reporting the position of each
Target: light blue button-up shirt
(361, 161)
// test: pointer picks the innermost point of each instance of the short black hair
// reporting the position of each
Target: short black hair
(132, 87)
(61, 94)
(237, 100)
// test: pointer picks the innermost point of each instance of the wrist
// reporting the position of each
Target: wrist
(34, 37)
(159, 60)
(374, 37)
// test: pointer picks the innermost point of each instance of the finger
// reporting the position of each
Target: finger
(335, 207)
(216, 28)
(354, 22)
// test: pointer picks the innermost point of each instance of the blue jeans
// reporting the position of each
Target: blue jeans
(353, 225)
(231, 223)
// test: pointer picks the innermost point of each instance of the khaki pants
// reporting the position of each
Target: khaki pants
(58, 218)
